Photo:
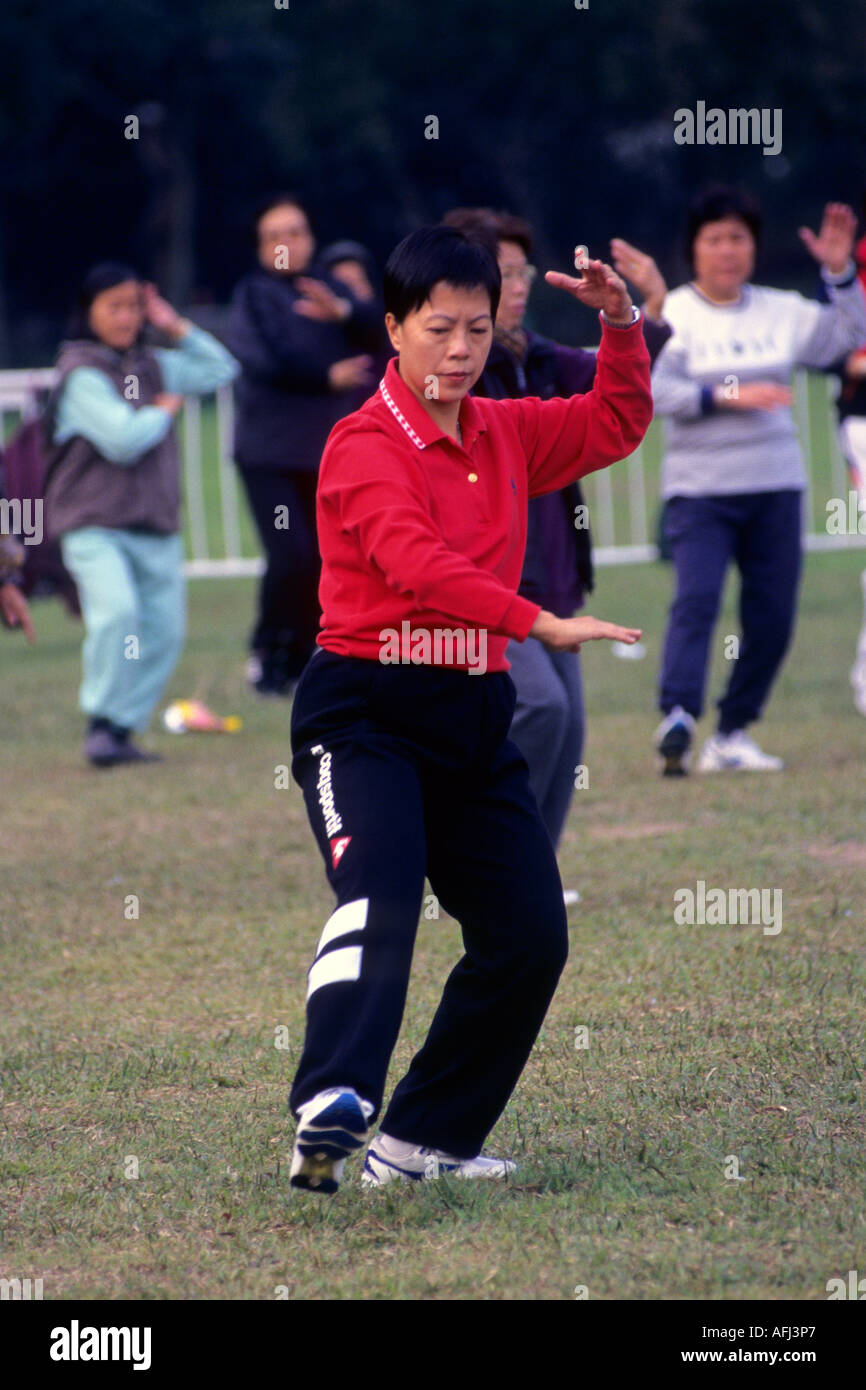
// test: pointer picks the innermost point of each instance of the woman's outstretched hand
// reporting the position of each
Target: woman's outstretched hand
(14, 611)
(599, 287)
(644, 274)
(318, 301)
(567, 634)
(834, 243)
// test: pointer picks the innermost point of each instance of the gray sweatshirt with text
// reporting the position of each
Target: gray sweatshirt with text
(762, 337)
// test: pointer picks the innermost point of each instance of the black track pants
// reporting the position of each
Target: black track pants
(407, 771)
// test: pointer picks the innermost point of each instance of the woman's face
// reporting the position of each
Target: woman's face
(117, 315)
(443, 345)
(286, 243)
(724, 257)
(516, 280)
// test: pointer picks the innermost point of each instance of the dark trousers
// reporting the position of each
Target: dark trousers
(760, 532)
(407, 771)
(288, 612)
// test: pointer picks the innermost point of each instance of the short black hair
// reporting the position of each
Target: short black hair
(104, 276)
(719, 201)
(433, 254)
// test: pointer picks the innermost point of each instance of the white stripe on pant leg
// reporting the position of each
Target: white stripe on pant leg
(349, 917)
(334, 967)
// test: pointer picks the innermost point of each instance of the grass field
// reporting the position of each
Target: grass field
(148, 1045)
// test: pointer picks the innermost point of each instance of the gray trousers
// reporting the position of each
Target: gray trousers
(548, 725)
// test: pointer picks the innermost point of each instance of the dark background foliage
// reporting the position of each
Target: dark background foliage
(563, 115)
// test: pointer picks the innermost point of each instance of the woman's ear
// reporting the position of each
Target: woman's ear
(394, 331)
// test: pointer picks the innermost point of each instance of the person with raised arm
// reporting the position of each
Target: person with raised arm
(400, 720)
(112, 494)
(733, 474)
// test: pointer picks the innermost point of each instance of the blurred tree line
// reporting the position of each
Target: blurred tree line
(564, 115)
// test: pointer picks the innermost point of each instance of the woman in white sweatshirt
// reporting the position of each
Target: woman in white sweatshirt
(733, 473)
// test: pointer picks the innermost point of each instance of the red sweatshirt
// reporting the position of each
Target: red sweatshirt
(420, 537)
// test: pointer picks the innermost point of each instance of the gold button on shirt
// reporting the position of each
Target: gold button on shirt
(473, 477)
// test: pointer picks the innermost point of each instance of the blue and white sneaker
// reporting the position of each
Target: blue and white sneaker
(673, 741)
(390, 1160)
(736, 752)
(330, 1127)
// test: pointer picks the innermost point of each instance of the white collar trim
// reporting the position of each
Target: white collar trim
(399, 416)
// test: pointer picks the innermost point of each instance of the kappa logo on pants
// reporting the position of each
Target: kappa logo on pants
(339, 845)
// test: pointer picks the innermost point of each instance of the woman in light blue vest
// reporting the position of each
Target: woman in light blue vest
(113, 495)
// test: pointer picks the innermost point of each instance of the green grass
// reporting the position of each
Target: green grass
(153, 1039)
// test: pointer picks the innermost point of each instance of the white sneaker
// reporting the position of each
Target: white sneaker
(858, 683)
(858, 671)
(330, 1127)
(570, 897)
(736, 752)
(390, 1160)
(673, 740)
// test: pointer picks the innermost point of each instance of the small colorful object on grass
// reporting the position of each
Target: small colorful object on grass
(192, 717)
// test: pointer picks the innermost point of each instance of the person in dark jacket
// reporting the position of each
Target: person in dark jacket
(548, 725)
(303, 341)
(353, 265)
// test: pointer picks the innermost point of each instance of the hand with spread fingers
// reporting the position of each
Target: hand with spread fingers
(639, 268)
(833, 245)
(599, 287)
(318, 301)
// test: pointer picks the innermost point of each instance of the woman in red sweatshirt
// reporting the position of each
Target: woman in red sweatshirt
(400, 720)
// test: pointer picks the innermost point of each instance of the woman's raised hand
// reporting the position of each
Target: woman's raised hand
(644, 274)
(159, 312)
(599, 288)
(318, 301)
(834, 243)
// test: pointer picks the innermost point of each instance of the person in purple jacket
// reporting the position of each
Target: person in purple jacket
(548, 725)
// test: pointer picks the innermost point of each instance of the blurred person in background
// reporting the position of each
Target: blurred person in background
(733, 474)
(549, 720)
(14, 610)
(304, 340)
(112, 494)
(353, 265)
(851, 410)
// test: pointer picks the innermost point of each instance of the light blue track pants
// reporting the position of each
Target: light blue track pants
(133, 599)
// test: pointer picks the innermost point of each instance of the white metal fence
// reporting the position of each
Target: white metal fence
(623, 503)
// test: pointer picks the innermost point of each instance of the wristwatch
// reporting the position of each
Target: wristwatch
(635, 318)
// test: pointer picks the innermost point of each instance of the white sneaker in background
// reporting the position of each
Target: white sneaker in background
(736, 752)
(570, 897)
(858, 670)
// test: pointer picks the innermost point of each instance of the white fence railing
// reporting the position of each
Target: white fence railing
(623, 504)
